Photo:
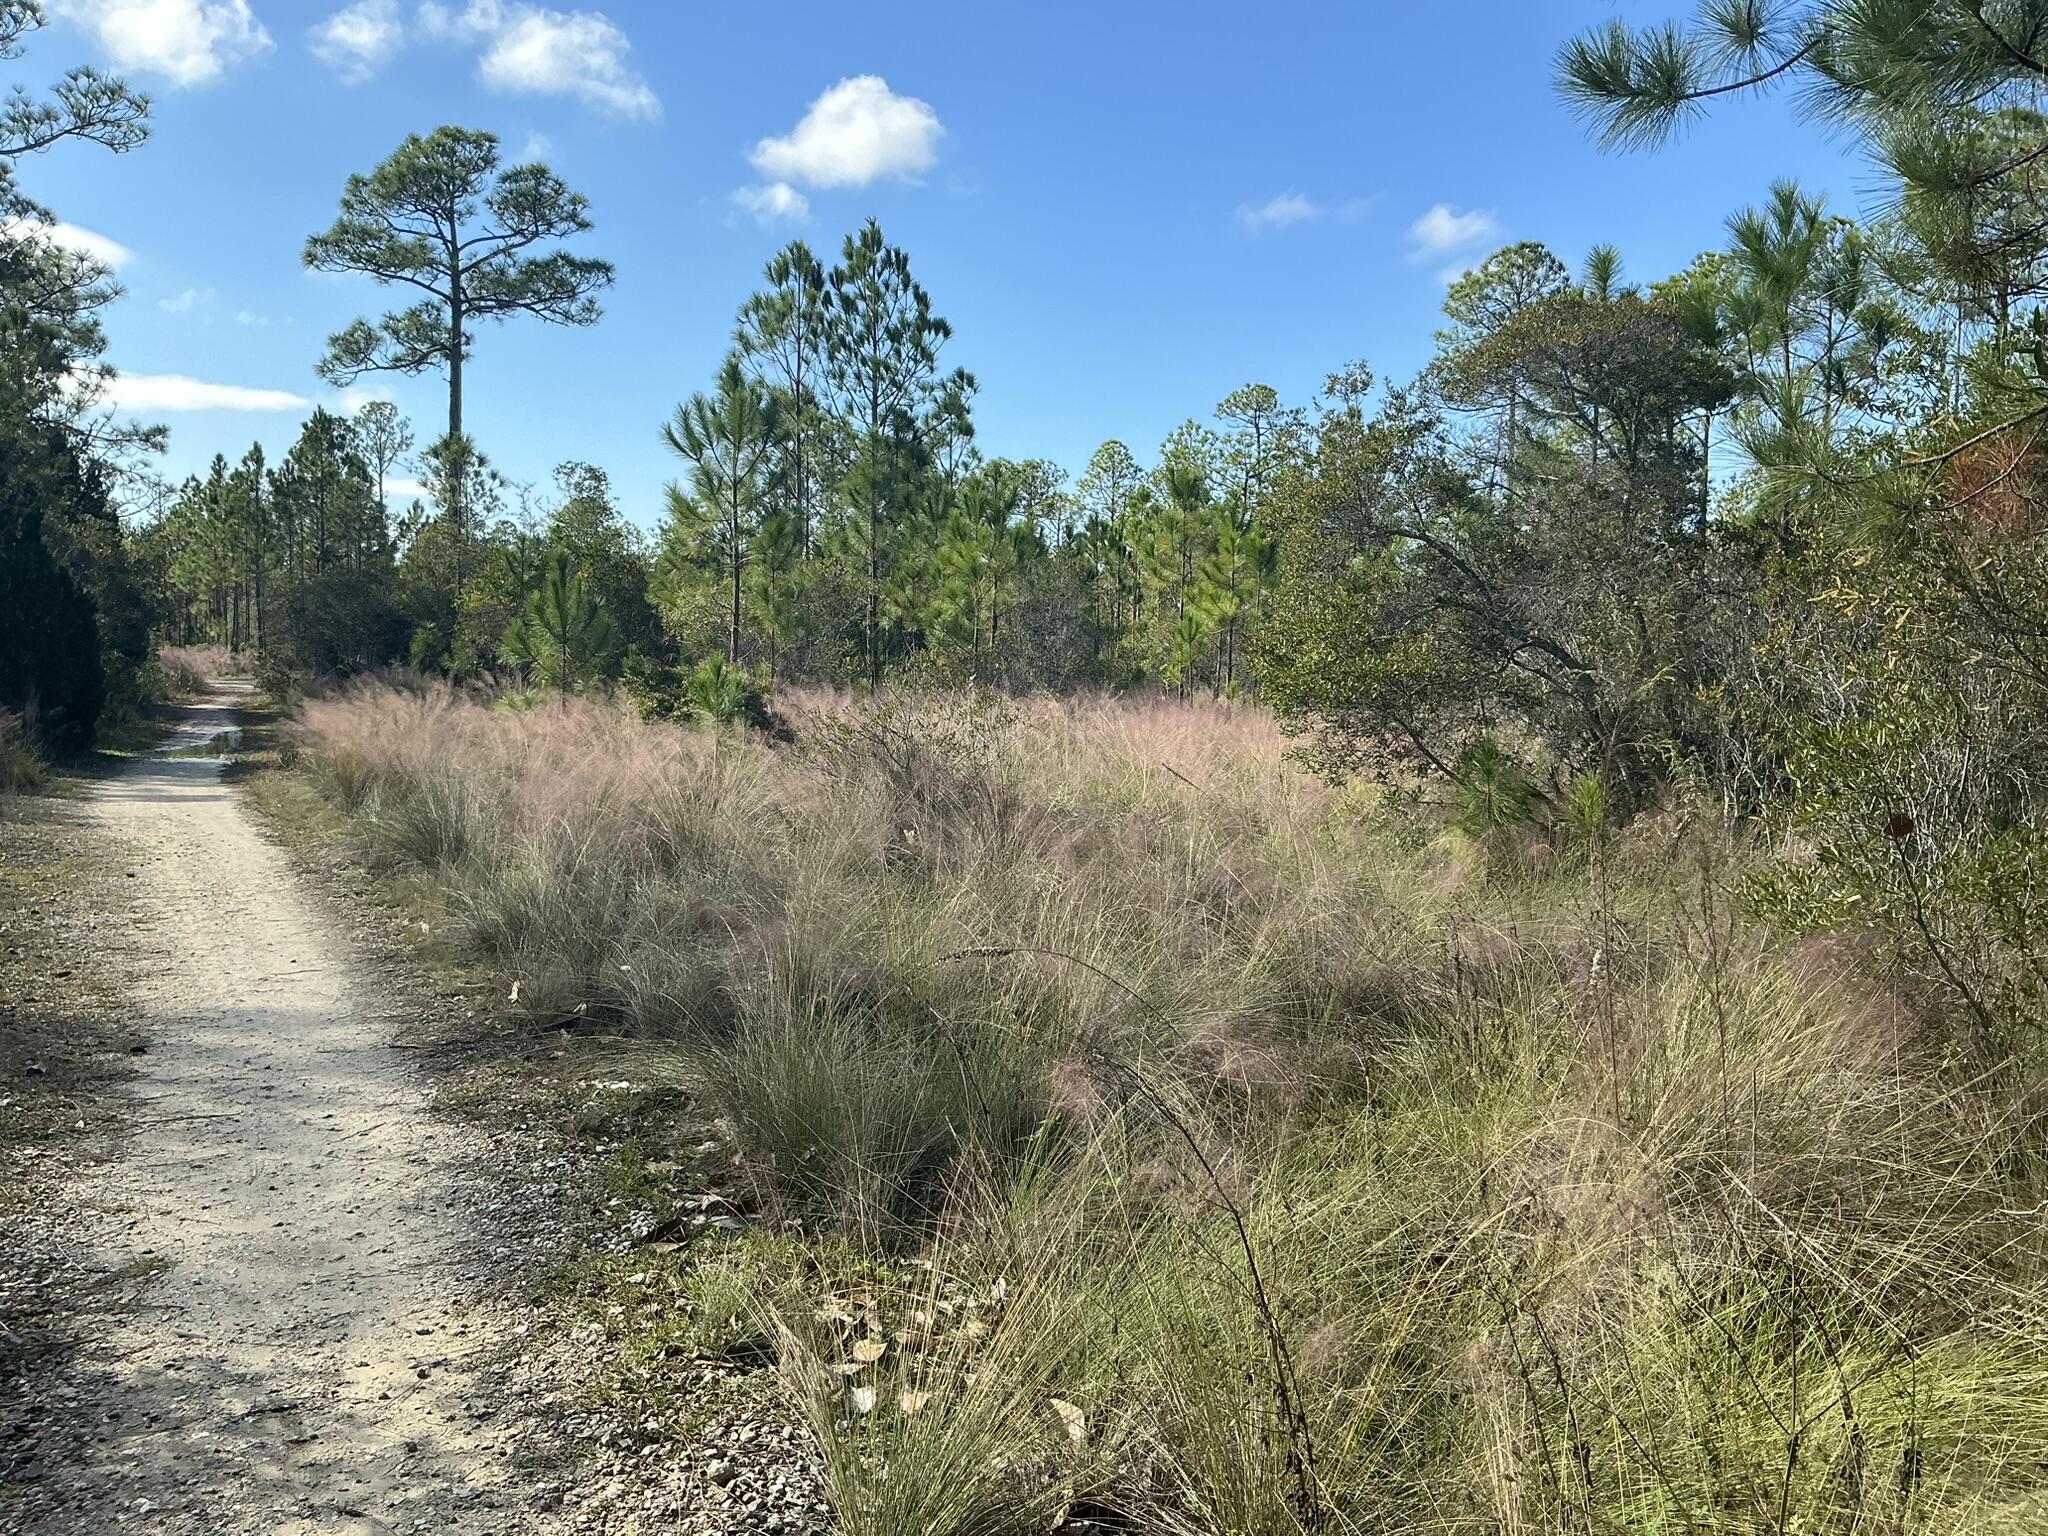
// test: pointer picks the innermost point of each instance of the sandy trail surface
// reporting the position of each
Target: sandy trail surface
(307, 1360)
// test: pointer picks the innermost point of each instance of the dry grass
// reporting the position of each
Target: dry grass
(21, 767)
(187, 668)
(1232, 1154)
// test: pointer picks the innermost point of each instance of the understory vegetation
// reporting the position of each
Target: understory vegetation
(1142, 1130)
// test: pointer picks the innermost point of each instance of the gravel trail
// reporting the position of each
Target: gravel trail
(307, 1360)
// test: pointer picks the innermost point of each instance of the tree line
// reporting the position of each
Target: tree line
(74, 629)
(832, 518)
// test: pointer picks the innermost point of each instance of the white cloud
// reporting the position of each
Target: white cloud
(776, 203)
(110, 254)
(478, 19)
(535, 51)
(144, 392)
(408, 490)
(1443, 229)
(184, 303)
(188, 41)
(1278, 212)
(538, 147)
(353, 397)
(360, 39)
(250, 317)
(583, 55)
(855, 133)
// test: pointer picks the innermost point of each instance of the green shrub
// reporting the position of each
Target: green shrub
(711, 690)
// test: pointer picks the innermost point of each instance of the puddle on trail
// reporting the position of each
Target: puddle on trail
(219, 744)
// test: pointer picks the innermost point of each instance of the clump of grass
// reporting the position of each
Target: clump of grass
(22, 769)
(1229, 1153)
(726, 1317)
(931, 1406)
(845, 1117)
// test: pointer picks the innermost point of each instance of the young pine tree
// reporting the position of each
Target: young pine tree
(564, 638)
(729, 439)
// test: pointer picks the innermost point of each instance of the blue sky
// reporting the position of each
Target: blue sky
(1126, 210)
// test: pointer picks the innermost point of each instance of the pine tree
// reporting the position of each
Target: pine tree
(251, 489)
(564, 637)
(1941, 93)
(1479, 305)
(1265, 435)
(1172, 535)
(899, 409)
(1228, 585)
(439, 217)
(775, 568)
(783, 335)
(385, 437)
(729, 439)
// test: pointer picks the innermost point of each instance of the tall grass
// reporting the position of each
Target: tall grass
(21, 767)
(186, 669)
(1238, 1155)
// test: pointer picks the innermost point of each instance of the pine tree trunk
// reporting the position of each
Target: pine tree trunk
(874, 594)
(732, 638)
(455, 318)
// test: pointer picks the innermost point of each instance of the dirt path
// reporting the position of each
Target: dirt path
(305, 1361)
